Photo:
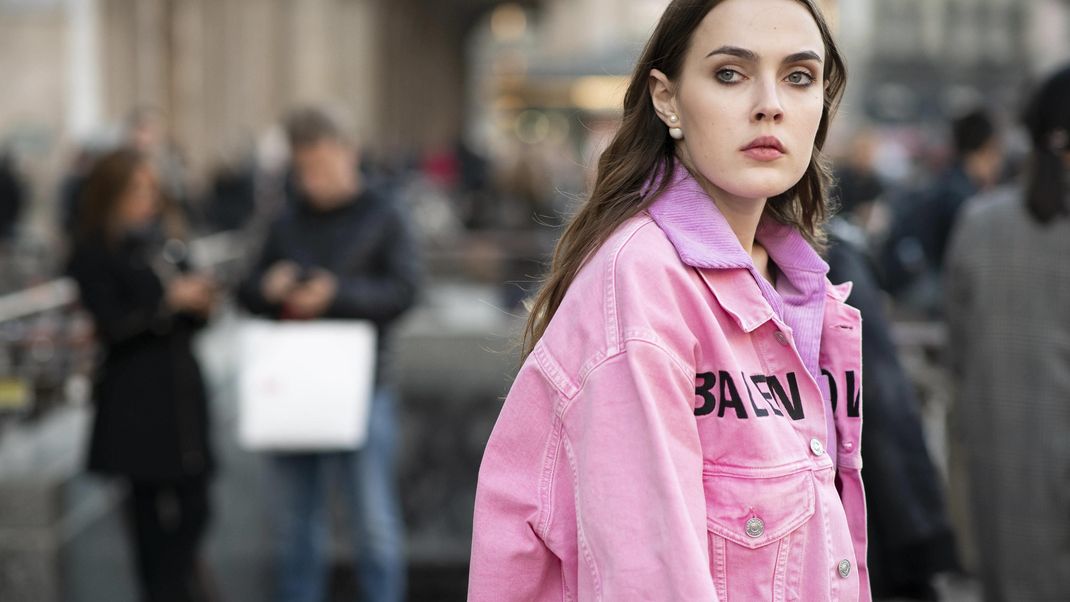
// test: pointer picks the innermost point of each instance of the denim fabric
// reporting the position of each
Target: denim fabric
(665, 439)
(366, 481)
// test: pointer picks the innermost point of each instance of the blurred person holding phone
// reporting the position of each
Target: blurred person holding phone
(152, 419)
(340, 250)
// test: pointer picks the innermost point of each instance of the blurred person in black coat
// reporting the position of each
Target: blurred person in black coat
(151, 422)
(12, 195)
(910, 534)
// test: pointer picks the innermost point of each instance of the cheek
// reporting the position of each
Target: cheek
(807, 133)
(810, 114)
(312, 179)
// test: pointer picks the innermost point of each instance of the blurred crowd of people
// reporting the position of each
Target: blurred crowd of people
(975, 246)
(975, 242)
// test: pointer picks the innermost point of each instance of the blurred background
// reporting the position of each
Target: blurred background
(484, 119)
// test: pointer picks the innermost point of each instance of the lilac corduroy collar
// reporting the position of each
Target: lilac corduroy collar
(703, 238)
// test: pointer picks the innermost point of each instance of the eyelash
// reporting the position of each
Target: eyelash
(806, 84)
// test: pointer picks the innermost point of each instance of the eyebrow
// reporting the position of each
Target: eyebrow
(750, 55)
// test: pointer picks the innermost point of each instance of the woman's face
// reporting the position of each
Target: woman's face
(749, 97)
(141, 201)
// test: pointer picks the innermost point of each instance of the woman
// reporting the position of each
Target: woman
(1008, 308)
(686, 423)
(151, 423)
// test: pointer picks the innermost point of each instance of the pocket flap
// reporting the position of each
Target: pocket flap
(756, 511)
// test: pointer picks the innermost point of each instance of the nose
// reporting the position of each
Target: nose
(767, 105)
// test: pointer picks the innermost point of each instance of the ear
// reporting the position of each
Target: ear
(663, 95)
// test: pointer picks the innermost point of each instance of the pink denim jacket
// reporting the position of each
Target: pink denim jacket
(665, 440)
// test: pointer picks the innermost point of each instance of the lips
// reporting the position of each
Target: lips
(766, 148)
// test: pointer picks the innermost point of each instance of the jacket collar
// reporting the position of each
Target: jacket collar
(703, 239)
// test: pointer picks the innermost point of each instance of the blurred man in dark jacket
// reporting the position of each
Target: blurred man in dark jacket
(339, 251)
(914, 254)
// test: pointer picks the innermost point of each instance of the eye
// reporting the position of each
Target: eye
(728, 76)
(800, 78)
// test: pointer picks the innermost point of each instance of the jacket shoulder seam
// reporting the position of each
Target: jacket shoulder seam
(566, 403)
(614, 336)
(650, 338)
(551, 458)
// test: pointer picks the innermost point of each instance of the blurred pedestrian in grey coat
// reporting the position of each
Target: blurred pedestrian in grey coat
(1008, 306)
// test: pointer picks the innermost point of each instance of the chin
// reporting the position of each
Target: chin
(760, 190)
(750, 182)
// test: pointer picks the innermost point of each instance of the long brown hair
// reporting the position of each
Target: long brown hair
(642, 148)
(105, 187)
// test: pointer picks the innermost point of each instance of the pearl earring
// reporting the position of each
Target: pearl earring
(675, 132)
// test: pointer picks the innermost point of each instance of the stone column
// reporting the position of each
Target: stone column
(186, 90)
(84, 102)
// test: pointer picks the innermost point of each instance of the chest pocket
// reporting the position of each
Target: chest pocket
(754, 525)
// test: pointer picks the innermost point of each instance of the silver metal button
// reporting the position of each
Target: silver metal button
(845, 568)
(755, 527)
(817, 448)
(781, 337)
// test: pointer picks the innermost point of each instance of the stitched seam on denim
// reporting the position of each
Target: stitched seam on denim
(585, 549)
(744, 324)
(546, 484)
(645, 336)
(566, 404)
(553, 371)
(794, 579)
(593, 362)
(733, 470)
(859, 547)
(849, 461)
(721, 567)
(831, 571)
(783, 551)
(613, 327)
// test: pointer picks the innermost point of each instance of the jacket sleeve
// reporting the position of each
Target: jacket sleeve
(510, 559)
(385, 295)
(634, 450)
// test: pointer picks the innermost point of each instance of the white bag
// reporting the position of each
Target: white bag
(305, 386)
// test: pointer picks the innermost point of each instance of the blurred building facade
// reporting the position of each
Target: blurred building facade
(916, 60)
(222, 71)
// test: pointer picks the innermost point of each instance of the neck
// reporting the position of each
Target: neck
(742, 214)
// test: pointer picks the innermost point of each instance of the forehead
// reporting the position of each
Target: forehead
(772, 28)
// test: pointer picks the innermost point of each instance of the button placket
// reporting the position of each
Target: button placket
(778, 357)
